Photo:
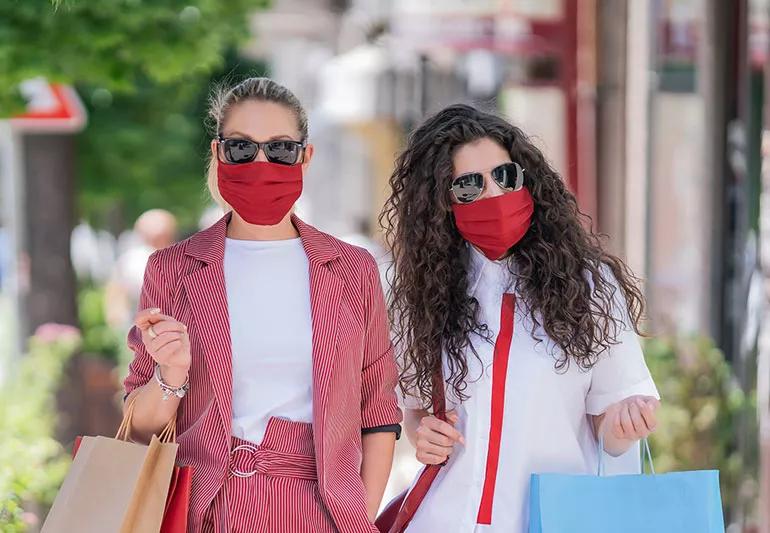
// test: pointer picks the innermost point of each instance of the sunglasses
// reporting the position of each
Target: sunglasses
(239, 151)
(467, 188)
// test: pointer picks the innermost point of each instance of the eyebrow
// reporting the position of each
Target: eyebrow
(249, 137)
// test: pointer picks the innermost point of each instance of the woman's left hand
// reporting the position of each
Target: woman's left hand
(631, 419)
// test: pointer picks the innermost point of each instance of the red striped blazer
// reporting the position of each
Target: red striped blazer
(354, 373)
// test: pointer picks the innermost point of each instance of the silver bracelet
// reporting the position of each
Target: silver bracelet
(168, 390)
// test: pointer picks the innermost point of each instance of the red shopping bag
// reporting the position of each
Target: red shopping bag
(178, 501)
(178, 498)
(399, 512)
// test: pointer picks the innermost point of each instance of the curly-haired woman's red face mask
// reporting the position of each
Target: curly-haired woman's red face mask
(495, 224)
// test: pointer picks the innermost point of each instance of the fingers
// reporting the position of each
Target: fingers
(637, 421)
(436, 439)
(163, 339)
(626, 424)
(648, 409)
(442, 427)
(429, 435)
(167, 326)
(617, 427)
(167, 350)
(434, 449)
(430, 459)
(609, 422)
(631, 419)
(147, 317)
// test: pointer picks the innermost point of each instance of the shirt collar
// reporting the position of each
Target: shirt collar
(481, 268)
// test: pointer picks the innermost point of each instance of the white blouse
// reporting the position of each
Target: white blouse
(268, 298)
(539, 423)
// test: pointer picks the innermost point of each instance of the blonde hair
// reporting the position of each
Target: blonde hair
(223, 99)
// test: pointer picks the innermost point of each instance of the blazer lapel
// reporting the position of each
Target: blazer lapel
(207, 295)
(325, 293)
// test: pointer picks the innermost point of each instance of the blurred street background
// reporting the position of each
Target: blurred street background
(655, 112)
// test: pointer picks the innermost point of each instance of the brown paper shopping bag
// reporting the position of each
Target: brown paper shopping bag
(114, 485)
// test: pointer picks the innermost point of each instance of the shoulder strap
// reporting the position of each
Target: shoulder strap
(415, 496)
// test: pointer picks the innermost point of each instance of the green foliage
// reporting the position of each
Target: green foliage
(147, 149)
(703, 411)
(115, 44)
(98, 337)
(32, 462)
(143, 69)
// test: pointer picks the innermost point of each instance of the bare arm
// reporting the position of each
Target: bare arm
(379, 404)
(375, 467)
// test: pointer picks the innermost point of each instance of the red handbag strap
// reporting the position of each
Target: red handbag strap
(415, 496)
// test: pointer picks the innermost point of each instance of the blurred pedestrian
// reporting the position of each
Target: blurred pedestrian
(268, 340)
(92, 252)
(499, 285)
(153, 230)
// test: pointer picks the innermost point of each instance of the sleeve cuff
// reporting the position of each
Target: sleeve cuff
(596, 404)
(389, 428)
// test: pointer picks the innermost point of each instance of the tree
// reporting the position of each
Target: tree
(141, 67)
(117, 45)
(143, 70)
(147, 149)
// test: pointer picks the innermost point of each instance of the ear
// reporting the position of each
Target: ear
(214, 147)
(309, 150)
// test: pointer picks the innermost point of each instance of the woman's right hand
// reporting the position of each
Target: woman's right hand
(436, 439)
(168, 344)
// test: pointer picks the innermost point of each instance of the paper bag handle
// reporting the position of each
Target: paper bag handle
(646, 454)
(168, 435)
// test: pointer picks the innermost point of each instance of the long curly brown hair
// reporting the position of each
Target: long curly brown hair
(567, 282)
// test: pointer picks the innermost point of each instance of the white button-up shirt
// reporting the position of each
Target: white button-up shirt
(542, 415)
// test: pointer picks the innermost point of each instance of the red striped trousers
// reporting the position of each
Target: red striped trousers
(272, 487)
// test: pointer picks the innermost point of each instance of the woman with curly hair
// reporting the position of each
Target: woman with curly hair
(534, 325)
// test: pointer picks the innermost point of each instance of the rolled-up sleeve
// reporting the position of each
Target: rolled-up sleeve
(155, 293)
(379, 403)
(621, 371)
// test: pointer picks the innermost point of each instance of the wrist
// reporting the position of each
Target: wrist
(174, 376)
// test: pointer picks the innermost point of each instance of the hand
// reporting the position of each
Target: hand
(167, 343)
(436, 439)
(631, 419)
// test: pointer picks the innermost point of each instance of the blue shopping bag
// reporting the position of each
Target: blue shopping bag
(679, 502)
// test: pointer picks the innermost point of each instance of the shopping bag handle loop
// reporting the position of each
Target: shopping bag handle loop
(167, 435)
(646, 454)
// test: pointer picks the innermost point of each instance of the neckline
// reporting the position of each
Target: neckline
(251, 243)
(483, 267)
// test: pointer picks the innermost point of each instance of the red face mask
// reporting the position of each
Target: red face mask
(260, 191)
(495, 224)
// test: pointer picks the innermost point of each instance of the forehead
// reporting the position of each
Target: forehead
(261, 120)
(478, 155)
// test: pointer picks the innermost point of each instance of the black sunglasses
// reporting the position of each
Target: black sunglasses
(239, 151)
(467, 188)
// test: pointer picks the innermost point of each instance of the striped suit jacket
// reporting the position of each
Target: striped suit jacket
(354, 373)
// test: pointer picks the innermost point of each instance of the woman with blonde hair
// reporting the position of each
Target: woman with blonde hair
(268, 341)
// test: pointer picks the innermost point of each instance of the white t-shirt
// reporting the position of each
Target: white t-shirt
(544, 425)
(268, 298)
